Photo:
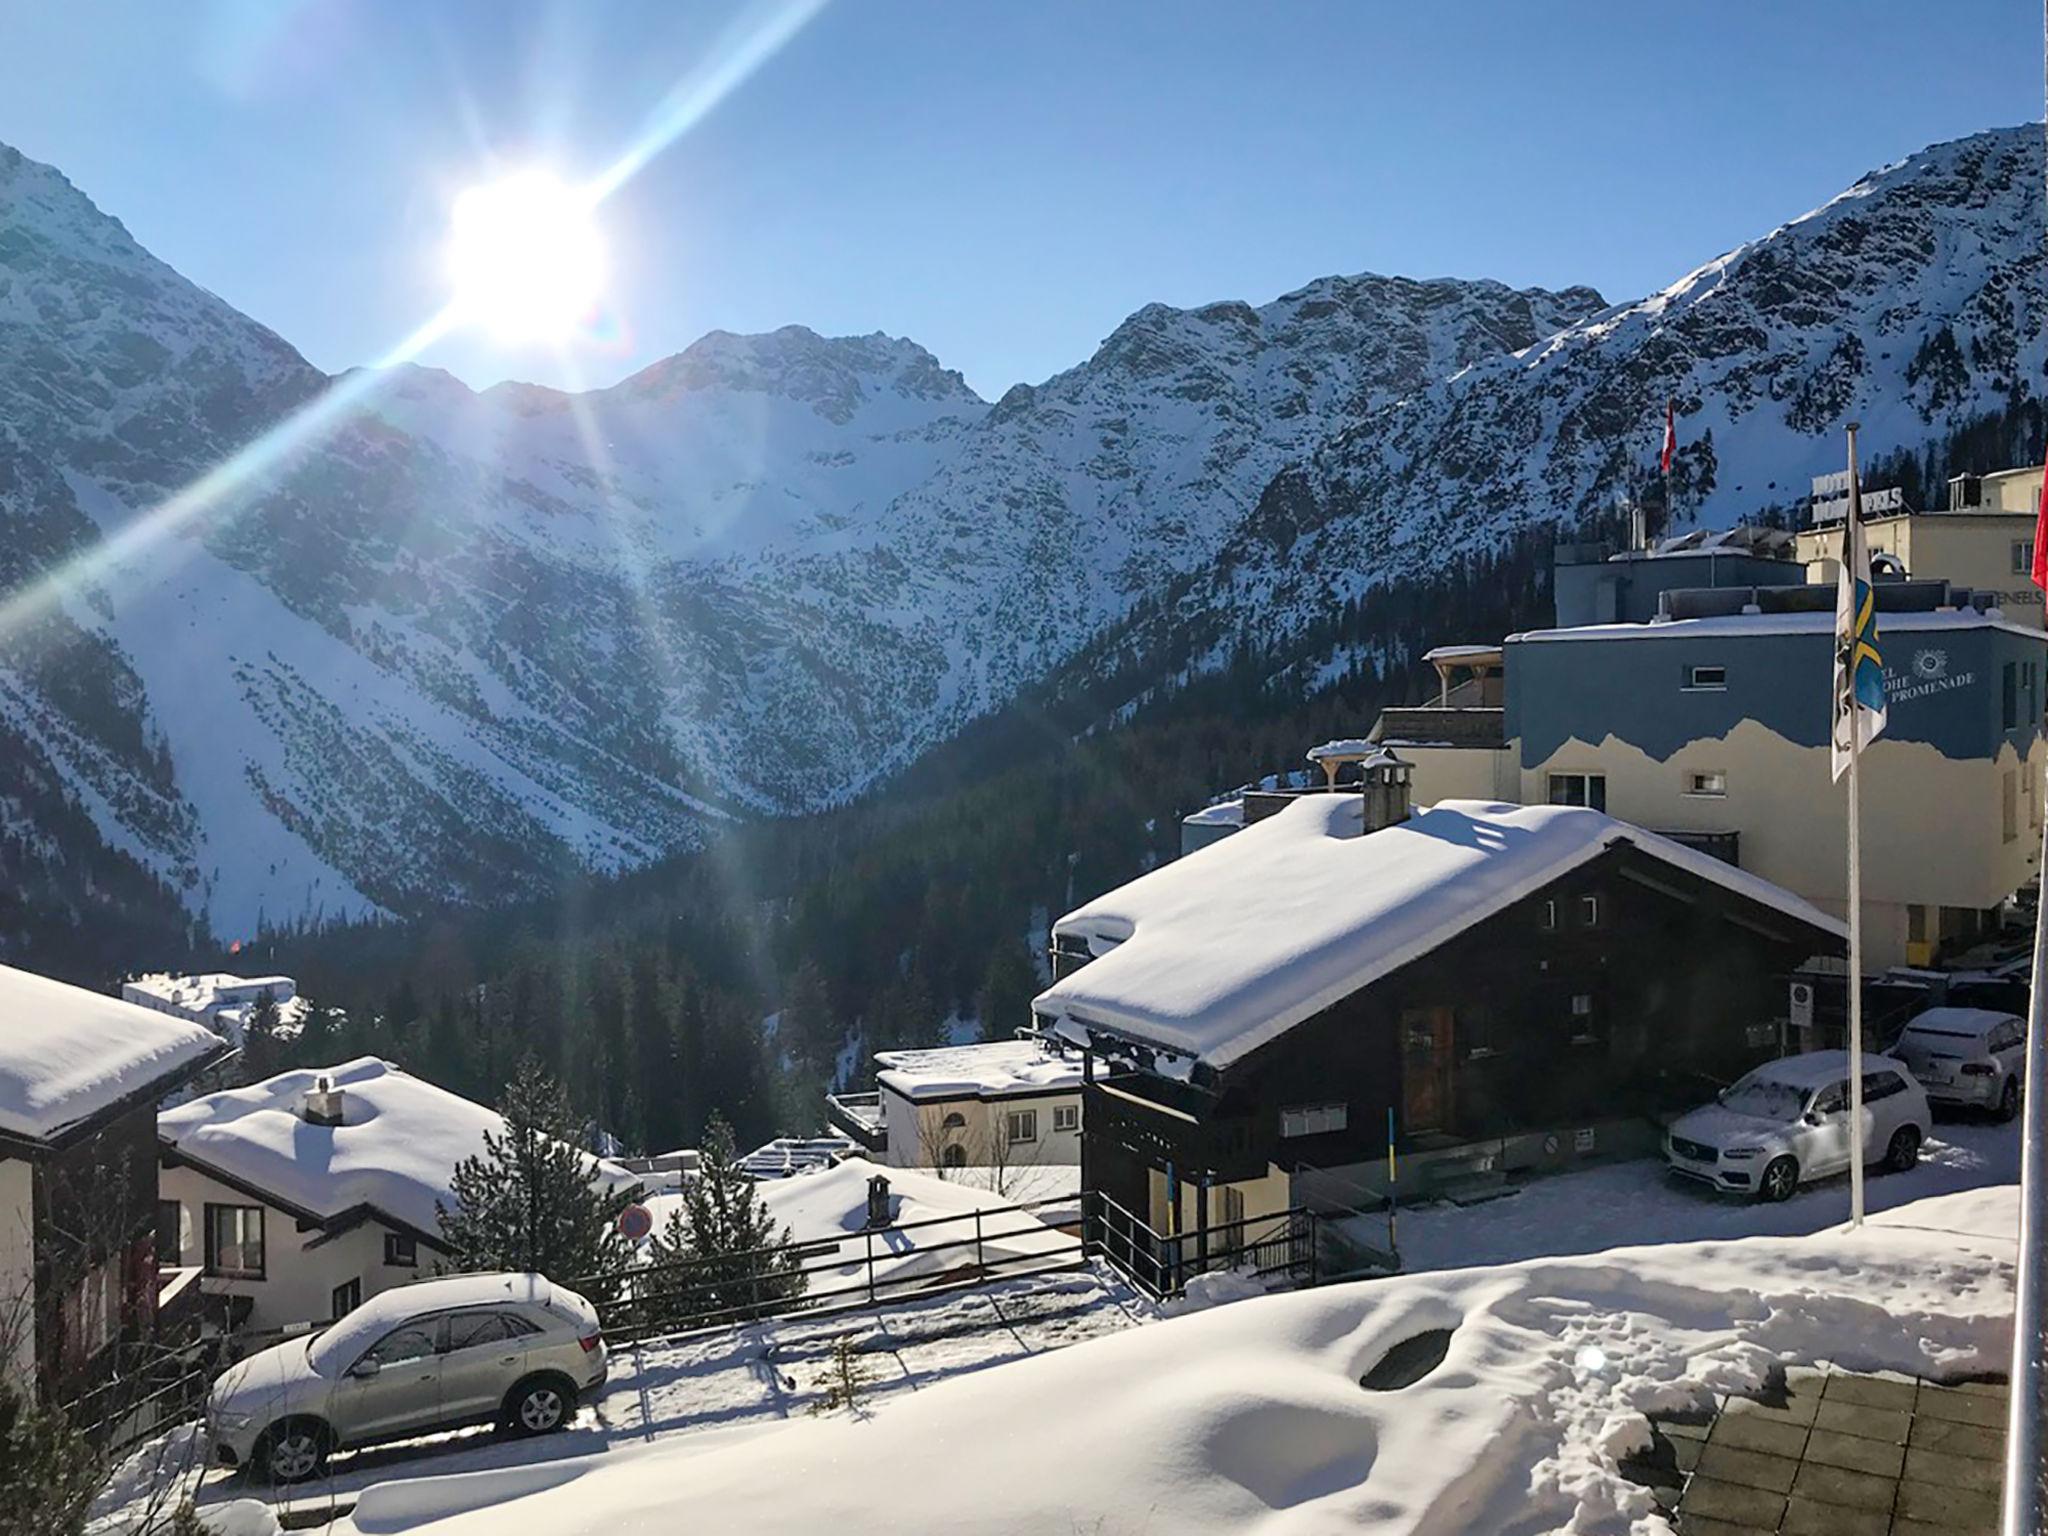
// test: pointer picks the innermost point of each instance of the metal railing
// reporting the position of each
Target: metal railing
(1281, 1244)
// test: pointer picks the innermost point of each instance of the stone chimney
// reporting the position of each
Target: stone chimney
(1386, 782)
(878, 1202)
(322, 1104)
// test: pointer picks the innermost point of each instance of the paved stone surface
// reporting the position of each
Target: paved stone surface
(1834, 1453)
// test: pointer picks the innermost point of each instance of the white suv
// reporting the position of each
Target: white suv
(1971, 1057)
(1788, 1122)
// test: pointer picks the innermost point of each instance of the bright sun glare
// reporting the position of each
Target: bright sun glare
(525, 257)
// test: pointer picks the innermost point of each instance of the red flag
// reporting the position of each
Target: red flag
(2041, 536)
(1670, 434)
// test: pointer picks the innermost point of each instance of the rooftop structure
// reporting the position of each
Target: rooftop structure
(994, 1069)
(218, 1000)
(787, 1156)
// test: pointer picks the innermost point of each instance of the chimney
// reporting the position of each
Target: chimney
(322, 1103)
(1386, 781)
(878, 1202)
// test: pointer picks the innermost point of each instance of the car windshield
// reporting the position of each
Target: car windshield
(1765, 1098)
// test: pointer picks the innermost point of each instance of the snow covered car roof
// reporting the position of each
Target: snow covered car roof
(395, 1150)
(1223, 950)
(67, 1053)
(1968, 1022)
(1817, 1069)
(335, 1350)
(995, 1068)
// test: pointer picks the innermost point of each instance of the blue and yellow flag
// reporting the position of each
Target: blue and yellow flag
(1859, 670)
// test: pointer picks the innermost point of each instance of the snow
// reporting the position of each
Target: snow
(1964, 1023)
(1818, 622)
(67, 1053)
(787, 1156)
(990, 1069)
(1350, 747)
(1251, 1415)
(395, 1150)
(1462, 653)
(826, 1213)
(1225, 949)
(1224, 813)
(335, 1350)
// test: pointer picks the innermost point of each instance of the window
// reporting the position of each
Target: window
(1881, 1085)
(1021, 1125)
(1831, 1100)
(954, 1121)
(1066, 1117)
(468, 1330)
(2009, 803)
(1589, 911)
(1916, 924)
(1588, 789)
(2023, 557)
(1706, 677)
(1314, 1119)
(346, 1298)
(401, 1249)
(1582, 1005)
(415, 1341)
(1709, 781)
(1549, 916)
(955, 1156)
(234, 1241)
(170, 1234)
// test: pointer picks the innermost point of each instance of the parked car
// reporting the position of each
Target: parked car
(470, 1349)
(1974, 1058)
(1788, 1122)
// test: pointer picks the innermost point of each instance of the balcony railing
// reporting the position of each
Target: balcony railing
(860, 1116)
(1478, 726)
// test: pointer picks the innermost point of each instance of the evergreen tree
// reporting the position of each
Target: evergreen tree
(48, 1471)
(734, 1260)
(531, 1200)
(262, 1050)
(1008, 985)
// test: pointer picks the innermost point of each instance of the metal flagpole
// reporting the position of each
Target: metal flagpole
(1851, 527)
(2026, 1455)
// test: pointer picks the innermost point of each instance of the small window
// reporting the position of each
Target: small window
(1582, 1005)
(1881, 1085)
(415, 1341)
(1587, 789)
(234, 1241)
(1230, 1207)
(401, 1249)
(1549, 916)
(954, 1121)
(1589, 911)
(955, 1156)
(346, 1298)
(469, 1330)
(1314, 1119)
(1066, 1117)
(2023, 557)
(1022, 1125)
(1706, 677)
(170, 1234)
(1711, 782)
(1831, 1100)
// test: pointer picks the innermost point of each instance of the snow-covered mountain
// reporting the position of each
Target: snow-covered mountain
(459, 641)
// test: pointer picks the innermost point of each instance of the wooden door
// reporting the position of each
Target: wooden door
(1426, 1069)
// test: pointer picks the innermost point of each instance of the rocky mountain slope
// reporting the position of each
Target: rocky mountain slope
(463, 640)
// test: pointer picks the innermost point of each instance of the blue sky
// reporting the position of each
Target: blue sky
(1002, 182)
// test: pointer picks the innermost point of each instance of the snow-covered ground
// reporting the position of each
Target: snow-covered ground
(1253, 1417)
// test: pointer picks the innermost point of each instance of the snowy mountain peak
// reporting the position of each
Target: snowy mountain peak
(833, 375)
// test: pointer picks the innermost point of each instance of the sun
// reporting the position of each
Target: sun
(525, 257)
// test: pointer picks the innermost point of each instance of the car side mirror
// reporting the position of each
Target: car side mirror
(1811, 1117)
(364, 1368)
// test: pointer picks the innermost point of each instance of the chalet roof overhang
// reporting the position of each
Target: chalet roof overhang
(329, 1225)
(36, 1148)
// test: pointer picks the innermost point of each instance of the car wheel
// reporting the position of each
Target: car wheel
(538, 1406)
(1904, 1151)
(293, 1451)
(2009, 1099)
(1780, 1179)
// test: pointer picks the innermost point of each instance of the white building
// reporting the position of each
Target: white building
(311, 1191)
(221, 1002)
(1001, 1104)
(80, 1076)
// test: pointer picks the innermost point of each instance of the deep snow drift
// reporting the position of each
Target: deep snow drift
(1251, 1416)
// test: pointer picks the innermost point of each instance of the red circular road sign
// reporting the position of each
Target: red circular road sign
(635, 1222)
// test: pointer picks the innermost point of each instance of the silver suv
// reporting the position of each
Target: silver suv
(471, 1349)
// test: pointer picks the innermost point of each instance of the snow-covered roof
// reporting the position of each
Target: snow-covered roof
(1968, 1022)
(1223, 950)
(999, 1068)
(337, 1348)
(1464, 653)
(826, 1213)
(67, 1053)
(788, 1155)
(1817, 622)
(1224, 813)
(395, 1150)
(1816, 1069)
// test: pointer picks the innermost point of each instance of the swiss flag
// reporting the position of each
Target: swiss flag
(1671, 447)
(2041, 537)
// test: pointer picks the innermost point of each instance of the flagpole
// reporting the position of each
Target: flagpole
(1855, 888)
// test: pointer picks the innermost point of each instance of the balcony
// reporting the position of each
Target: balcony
(859, 1115)
(1481, 727)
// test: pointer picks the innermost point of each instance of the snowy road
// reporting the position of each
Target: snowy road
(1625, 1204)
